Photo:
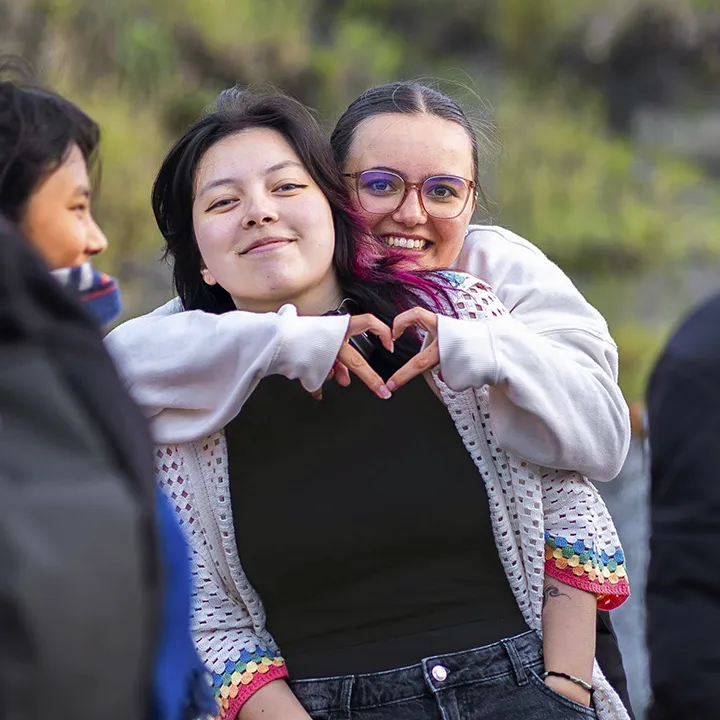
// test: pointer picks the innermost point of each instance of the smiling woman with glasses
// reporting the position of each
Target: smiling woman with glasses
(404, 135)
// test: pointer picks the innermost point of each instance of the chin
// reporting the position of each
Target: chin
(274, 289)
(415, 262)
(433, 260)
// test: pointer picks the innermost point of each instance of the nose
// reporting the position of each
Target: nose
(260, 212)
(410, 212)
(97, 242)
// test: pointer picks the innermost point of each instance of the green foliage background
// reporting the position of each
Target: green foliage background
(609, 214)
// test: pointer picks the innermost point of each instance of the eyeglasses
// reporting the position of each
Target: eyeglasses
(382, 192)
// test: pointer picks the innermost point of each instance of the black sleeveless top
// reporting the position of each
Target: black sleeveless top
(364, 526)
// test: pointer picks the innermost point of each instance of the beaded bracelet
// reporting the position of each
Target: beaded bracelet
(578, 681)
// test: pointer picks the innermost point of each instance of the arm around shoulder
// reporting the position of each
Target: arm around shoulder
(192, 371)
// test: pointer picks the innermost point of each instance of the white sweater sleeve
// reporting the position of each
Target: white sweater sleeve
(552, 363)
(192, 371)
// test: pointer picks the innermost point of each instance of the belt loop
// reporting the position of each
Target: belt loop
(515, 661)
(347, 689)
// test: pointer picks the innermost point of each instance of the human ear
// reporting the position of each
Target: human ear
(208, 277)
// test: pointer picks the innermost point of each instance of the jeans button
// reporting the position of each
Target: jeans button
(440, 673)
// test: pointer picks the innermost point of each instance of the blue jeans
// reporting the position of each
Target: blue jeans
(495, 682)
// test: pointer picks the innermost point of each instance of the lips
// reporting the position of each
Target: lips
(265, 243)
(405, 242)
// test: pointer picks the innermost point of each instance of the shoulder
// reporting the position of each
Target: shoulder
(685, 381)
(696, 341)
(508, 262)
(530, 285)
(459, 281)
(171, 307)
(497, 238)
(466, 292)
(135, 329)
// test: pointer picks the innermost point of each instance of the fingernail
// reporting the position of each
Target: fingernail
(391, 386)
(384, 393)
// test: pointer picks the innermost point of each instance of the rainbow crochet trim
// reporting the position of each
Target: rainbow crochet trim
(245, 676)
(583, 567)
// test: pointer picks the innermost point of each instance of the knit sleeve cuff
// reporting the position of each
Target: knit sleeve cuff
(244, 677)
(588, 569)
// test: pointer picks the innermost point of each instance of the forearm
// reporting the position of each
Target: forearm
(569, 630)
(274, 701)
(191, 372)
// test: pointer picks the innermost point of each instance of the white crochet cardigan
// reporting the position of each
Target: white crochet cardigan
(544, 521)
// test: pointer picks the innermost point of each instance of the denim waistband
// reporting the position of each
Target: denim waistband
(353, 692)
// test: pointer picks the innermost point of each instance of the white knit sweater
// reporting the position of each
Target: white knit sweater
(551, 364)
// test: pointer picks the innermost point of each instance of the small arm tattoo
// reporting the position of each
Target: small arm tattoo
(551, 591)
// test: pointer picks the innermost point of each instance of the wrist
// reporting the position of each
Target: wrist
(569, 689)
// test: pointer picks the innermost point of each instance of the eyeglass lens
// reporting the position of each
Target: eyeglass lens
(442, 196)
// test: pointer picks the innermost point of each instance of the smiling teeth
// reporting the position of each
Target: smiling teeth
(402, 242)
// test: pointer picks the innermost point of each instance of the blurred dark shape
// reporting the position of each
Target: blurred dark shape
(683, 590)
(662, 55)
(217, 67)
(650, 62)
(459, 27)
(79, 587)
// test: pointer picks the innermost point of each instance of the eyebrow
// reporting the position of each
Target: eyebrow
(83, 190)
(231, 180)
(386, 168)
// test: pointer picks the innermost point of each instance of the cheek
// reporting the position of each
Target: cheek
(317, 219)
(366, 219)
(60, 236)
(451, 234)
(212, 235)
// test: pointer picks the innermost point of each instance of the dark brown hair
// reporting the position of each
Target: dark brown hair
(37, 130)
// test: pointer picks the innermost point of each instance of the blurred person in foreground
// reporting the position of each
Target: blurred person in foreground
(683, 591)
(98, 603)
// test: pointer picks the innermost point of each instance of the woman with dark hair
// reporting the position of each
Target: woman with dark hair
(47, 149)
(395, 586)
(47, 146)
